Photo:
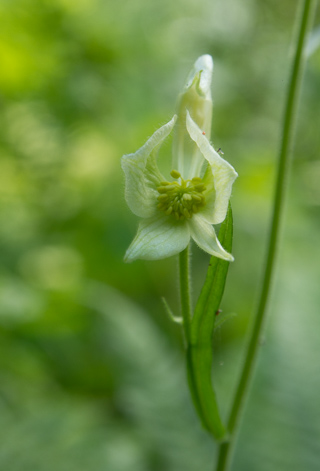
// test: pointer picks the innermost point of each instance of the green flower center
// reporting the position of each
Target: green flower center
(181, 198)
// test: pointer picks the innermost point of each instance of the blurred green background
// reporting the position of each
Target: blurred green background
(91, 370)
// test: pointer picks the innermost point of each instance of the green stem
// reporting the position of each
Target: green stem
(185, 298)
(226, 449)
(186, 311)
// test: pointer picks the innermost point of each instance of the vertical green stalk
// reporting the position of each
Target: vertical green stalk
(185, 297)
(294, 88)
(186, 312)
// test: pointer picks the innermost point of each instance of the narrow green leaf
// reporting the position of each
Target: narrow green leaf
(202, 327)
(213, 288)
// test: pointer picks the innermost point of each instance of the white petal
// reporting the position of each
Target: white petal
(224, 174)
(205, 237)
(196, 98)
(203, 64)
(142, 174)
(158, 237)
(210, 195)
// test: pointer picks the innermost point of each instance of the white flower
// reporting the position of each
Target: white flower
(195, 198)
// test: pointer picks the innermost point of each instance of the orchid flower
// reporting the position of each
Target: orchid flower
(196, 196)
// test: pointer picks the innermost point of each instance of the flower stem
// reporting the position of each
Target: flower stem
(186, 311)
(225, 450)
(185, 298)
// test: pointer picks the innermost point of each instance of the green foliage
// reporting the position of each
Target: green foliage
(199, 353)
(140, 418)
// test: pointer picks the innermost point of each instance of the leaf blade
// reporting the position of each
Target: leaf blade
(202, 327)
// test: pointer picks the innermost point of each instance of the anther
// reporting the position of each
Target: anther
(162, 189)
(173, 186)
(175, 174)
(163, 197)
(200, 187)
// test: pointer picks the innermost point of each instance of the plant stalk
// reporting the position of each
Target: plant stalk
(186, 313)
(185, 297)
(226, 449)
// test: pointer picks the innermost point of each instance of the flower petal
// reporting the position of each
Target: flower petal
(158, 237)
(210, 195)
(204, 65)
(196, 98)
(142, 174)
(205, 237)
(224, 174)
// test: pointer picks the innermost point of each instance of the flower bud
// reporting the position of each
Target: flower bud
(195, 98)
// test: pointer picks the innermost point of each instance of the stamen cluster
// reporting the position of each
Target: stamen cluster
(181, 198)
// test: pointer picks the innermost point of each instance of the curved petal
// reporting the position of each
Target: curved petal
(205, 237)
(224, 174)
(158, 237)
(210, 195)
(142, 174)
(204, 66)
(196, 98)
